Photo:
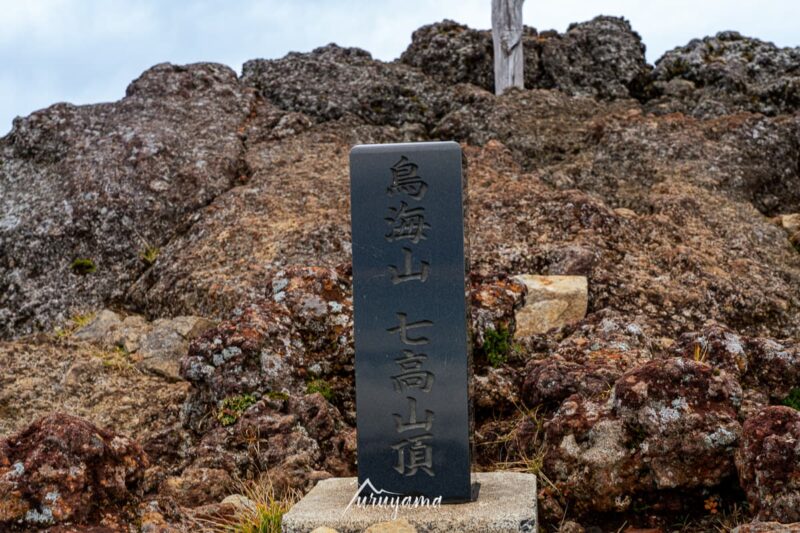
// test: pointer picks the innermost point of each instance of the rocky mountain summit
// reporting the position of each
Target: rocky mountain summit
(176, 293)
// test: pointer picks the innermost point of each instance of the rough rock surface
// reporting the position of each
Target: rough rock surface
(728, 73)
(603, 57)
(551, 302)
(668, 426)
(104, 183)
(768, 461)
(767, 527)
(156, 347)
(64, 469)
(205, 195)
(298, 337)
(42, 374)
(332, 82)
(295, 440)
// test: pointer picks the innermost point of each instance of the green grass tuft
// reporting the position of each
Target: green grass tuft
(149, 255)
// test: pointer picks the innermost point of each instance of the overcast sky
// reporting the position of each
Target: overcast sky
(86, 51)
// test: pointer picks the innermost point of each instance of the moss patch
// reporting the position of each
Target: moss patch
(321, 386)
(83, 266)
(232, 408)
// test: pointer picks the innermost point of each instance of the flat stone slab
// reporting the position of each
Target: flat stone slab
(551, 302)
(506, 503)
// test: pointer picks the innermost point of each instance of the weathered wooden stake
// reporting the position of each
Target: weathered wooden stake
(507, 37)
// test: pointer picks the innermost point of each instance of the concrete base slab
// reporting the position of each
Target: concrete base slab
(506, 503)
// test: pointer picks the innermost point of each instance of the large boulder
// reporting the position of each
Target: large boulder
(669, 427)
(63, 469)
(294, 211)
(768, 460)
(331, 82)
(728, 73)
(90, 193)
(602, 57)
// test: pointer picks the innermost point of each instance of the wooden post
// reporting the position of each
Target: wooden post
(507, 37)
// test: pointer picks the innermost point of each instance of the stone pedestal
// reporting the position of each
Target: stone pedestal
(506, 502)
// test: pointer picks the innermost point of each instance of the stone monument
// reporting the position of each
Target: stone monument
(411, 340)
(412, 362)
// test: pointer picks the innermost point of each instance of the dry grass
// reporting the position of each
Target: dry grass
(73, 324)
(263, 515)
(519, 457)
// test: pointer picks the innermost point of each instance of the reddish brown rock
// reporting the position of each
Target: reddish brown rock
(587, 361)
(768, 460)
(669, 424)
(493, 303)
(299, 335)
(762, 364)
(294, 441)
(64, 469)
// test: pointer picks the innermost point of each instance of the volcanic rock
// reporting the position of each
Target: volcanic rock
(768, 461)
(63, 469)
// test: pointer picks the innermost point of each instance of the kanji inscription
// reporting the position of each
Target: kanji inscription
(412, 358)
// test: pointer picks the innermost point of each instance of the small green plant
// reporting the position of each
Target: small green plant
(277, 395)
(232, 408)
(149, 255)
(497, 345)
(321, 386)
(83, 266)
(793, 399)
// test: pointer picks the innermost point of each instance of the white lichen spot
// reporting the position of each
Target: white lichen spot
(315, 305)
(606, 449)
(733, 344)
(634, 329)
(336, 307)
(51, 497)
(622, 502)
(279, 284)
(608, 326)
(17, 469)
(9, 222)
(570, 447)
(720, 438)
(225, 355)
(680, 404)
(43, 517)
